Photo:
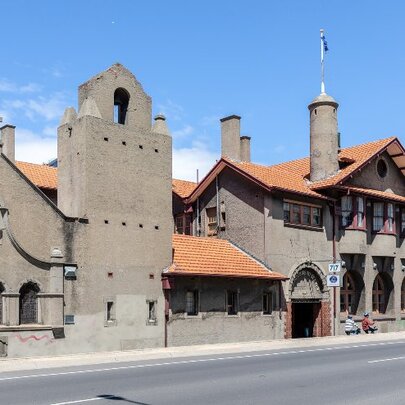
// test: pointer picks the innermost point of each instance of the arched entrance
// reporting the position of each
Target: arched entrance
(309, 303)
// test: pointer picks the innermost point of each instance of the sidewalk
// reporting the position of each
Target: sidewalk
(82, 359)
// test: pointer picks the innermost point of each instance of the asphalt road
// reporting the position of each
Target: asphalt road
(358, 373)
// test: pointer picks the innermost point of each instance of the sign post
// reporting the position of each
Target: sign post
(333, 280)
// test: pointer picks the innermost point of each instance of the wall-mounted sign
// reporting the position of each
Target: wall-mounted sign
(333, 280)
(334, 267)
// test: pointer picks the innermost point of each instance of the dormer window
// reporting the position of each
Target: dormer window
(121, 101)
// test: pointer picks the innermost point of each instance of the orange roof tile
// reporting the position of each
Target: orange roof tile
(183, 188)
(215, 257)
(360, 155)
(293, 176)
(374, 193)
(43, 176)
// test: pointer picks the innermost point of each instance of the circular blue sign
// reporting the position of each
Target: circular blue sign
(333, 279)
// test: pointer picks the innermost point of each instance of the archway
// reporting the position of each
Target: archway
(28, 303)
(309, 303)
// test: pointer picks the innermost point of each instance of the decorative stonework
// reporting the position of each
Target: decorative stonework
(308, 283)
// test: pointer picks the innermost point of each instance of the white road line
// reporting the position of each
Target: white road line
(382, 360)
(173, 363)
(79, 401)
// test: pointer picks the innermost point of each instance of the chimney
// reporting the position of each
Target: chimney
(8, 141)
(230, 137)
(245, 148)
(323, 137)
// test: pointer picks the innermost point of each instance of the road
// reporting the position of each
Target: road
(355, 373)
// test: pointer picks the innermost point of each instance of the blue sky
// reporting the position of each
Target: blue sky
(203, 60)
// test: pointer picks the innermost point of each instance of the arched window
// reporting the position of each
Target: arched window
(121, 101)
(1, 303)
(348, 302)
(28, 303)
(379, 299)
(403, 296)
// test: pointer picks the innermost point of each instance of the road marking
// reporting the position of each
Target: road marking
(382, 360)
(79, 401)
(173, 363)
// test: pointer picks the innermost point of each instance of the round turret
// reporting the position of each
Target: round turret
(324, 143)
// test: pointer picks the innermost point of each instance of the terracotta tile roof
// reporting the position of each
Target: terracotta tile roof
(374, 193)
(183, 188)
(360, 155)
(215, 257)
(293, 176)
(43, 176)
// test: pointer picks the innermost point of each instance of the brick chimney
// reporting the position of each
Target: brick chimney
(230, 137)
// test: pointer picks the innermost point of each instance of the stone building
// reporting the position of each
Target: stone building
(338, 205)
(89, 260)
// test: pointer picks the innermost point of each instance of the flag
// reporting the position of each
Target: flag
(325, 43)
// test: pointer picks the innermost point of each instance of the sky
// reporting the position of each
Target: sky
(203, 60)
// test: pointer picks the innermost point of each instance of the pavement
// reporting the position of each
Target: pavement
(355, 370)
(82, 359)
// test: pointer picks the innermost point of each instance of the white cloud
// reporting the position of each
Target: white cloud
(7, 86)
(33, 147)
(48, 108)
(171, 110)
(187, 130)
(187, 160)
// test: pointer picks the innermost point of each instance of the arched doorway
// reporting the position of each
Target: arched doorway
(309, 303)
(28, 303)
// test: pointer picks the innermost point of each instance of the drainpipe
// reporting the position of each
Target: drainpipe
(334, 261)
(218, 213)
(166, 292)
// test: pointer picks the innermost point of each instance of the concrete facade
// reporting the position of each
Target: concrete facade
(96, 260)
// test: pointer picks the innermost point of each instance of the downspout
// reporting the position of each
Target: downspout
(218, 213)
(166, 292)
(334, 261)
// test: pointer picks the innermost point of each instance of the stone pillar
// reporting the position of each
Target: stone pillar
(51, 303)
(230, 137)
(288, 321)
(8, 141)
(11, 314)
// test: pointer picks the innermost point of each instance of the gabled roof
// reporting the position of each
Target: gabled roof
(293, 176)
(46, 177)
(43, 176)
(195, 256)
(183, 188)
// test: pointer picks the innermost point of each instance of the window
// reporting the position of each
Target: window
(347, 294)
(378, 216)
(232, 302)
(192, 302)
(403, 221)
(347, 211)
(382, 168)
(110, 314)
(183, 224)
(267, 303)
(121, 101)
(28, 303)
(211, 214)
(383, 217)
(403, 296)
(301, 214)
(1, 303)
(151, 311)
(352, 212)
(378, 295)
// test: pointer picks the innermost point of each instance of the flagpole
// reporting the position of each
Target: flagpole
(322, 63)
